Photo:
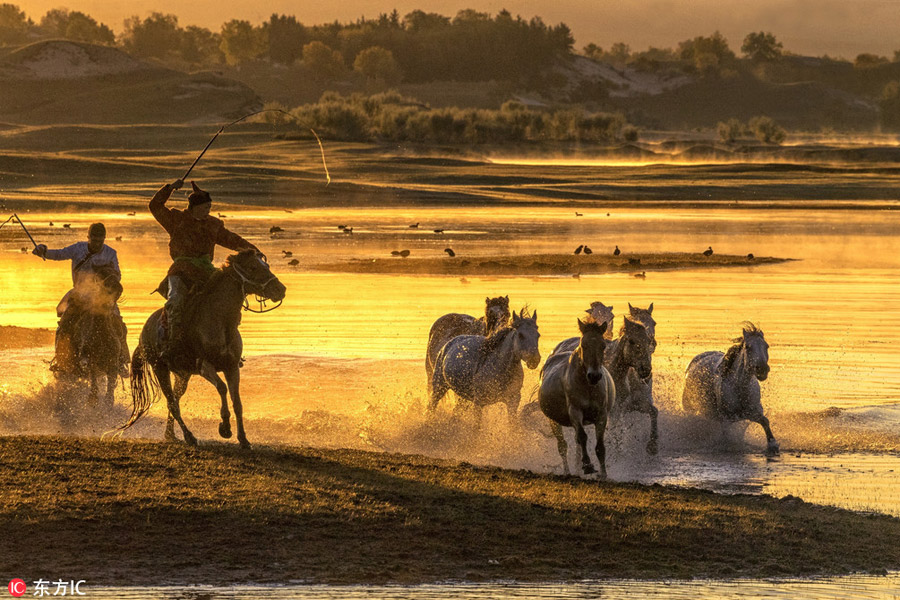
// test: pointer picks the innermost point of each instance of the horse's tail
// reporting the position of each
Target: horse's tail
(144, 387)
(526, 416)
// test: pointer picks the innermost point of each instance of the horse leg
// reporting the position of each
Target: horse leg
(439, 387)
(576, 417)
(233, 378)
(163, 376)
(208, 372)
(512, 410)
(772, 447)
(112, 377)
(600, 448)
(561, 445)
(653, 444)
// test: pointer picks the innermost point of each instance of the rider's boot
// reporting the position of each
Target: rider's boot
(172, 344)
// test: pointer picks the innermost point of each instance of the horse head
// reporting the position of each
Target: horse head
(526, 340)
(591, 348)
(255, 275)
(496, 313)
(636, 348)
(645, 318)
(600, 313)
(756, 350)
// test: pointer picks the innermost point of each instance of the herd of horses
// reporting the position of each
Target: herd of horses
(591, 377)
(586, 380)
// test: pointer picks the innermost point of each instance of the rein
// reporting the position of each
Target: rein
(262, 301)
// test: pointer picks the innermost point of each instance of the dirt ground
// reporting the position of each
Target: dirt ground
(141, 513)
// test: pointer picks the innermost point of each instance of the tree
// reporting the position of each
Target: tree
(377, 64)
(14, 25)
(766, 130)
(731, 130)
(241, 42)
(708, 54)
(869, 61)
(761, 47)
(85, 28)
(157, 36)
(286, 37)
(323, 62)
(200, 46)
(889, 103)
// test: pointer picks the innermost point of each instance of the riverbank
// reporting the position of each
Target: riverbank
(142, 513)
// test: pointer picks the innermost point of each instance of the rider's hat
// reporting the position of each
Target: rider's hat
(198, 196)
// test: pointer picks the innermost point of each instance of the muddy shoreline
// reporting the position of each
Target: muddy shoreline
(143, 513)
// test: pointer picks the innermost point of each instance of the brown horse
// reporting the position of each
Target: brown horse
(88, 340)
(451, 325)
(212, 344)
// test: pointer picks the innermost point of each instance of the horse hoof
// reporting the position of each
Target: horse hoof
(772, 450)
(245, 445)
(190, 440)
(225, 430)
(652, 447)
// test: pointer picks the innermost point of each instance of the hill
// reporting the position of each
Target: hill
(141, 513)
(59, 81)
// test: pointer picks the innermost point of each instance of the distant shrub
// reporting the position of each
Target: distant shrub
(766, 130)
(731, 130)
(392, 116)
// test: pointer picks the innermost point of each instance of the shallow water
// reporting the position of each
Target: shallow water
(340, 363)
(856, 587)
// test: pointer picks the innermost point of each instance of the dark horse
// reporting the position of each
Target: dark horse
(89, 348)
(212, 344)
(577, 390)
(451, 325)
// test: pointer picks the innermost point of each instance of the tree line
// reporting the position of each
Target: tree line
(418, 47)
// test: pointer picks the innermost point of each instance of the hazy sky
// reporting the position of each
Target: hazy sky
(837, 27)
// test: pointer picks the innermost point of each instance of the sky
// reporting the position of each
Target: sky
(842, 28)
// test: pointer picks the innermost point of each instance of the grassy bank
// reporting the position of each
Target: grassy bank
(129, 512)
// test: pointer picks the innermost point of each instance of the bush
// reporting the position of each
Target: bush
(766, 130)
(731, 130)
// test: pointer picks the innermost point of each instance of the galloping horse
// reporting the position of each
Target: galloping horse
(576, 390)
(486, 370)
(631, 350)
(601, 313)
(724, 387)
(212, 345)
(451, 325)
(90, 350)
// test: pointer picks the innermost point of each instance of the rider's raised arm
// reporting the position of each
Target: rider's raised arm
(233, 241)
(158, 207)
(67, 253)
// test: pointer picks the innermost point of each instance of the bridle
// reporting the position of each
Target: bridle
(242, 277)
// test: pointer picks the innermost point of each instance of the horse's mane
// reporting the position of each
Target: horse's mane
(624, 322)
(496, 339)
(732, 353)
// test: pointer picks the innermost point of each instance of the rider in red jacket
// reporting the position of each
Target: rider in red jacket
(193, 236)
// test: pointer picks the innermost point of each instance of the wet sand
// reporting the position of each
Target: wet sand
(156, 514)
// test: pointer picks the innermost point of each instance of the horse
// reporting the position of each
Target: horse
(90, 347)
(447, 327)
(600, 313)
(631, 350)
(487, 370)
(576, 390)
(212, 344)
(725, 387)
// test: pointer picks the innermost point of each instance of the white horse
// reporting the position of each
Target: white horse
(487, 370)
(577, 390)
(725, 387)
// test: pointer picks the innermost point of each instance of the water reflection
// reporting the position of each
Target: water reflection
(857, 587)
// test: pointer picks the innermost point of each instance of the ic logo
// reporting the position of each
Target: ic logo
(17, 588)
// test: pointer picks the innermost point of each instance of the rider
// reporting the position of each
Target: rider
(193, 235)
(96, 281)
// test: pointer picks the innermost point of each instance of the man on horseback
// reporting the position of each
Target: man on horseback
(193, 236)
(96, 281)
